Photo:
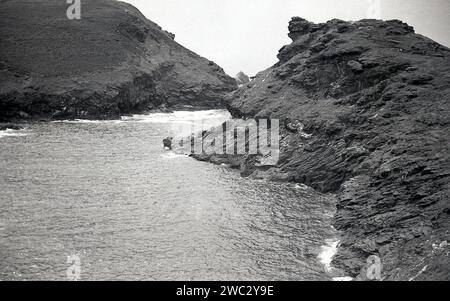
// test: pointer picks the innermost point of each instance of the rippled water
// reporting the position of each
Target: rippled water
(108, 193)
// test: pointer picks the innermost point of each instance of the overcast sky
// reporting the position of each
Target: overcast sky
(245, 35)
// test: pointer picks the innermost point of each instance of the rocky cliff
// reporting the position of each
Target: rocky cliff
(112, 61)
(365, 113)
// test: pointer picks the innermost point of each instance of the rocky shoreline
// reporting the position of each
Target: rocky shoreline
(15, 127)
(110, 63)
(364, 109)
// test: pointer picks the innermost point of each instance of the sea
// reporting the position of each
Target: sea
(103, 200)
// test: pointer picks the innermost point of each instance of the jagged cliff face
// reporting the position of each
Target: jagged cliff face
(366, 113)
(113, 61)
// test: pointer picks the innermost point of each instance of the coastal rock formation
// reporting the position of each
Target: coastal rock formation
(242, 78)
(364, 109)
(112, 61)
(4, 127)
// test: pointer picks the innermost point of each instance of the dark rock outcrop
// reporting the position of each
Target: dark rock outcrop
(4, 127)
(167, 142)
(365, 109)
(111, 62)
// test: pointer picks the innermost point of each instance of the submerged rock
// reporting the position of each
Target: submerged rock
(111, 62)
(366, 115)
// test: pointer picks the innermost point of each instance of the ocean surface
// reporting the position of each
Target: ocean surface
(108, 193)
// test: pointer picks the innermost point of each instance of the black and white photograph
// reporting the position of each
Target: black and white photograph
(224, 141)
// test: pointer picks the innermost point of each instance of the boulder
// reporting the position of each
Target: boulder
(167, 142)
(242, 78)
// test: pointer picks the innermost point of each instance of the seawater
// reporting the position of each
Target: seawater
(107, 192)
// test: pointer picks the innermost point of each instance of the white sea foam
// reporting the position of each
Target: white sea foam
(77, 121)
(210, 118)
(179, 116)
(181, 122)
(12, 133)
(172, 155)
(327, 253)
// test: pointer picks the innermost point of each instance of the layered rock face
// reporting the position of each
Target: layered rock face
(112, 61)
(365, 113)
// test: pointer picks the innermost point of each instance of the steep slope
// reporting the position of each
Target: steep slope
(113, 61)
(365, 113)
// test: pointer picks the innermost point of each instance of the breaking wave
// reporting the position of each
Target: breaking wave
(327, 253)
